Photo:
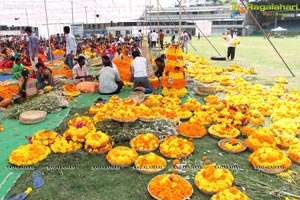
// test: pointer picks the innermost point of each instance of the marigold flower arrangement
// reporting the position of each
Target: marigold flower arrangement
(81, 121)
(121, 156)
(191, 104)
(170, 186)
(45, 137)
(184, 114)
(171, 91)
(124, 114)
(269, 159)
(212, 179)
(62, 145)
(94, 109)
(230, 194)
(1, 128)
(175, 147)
(144, 112)
(203, 117)
(98, 142)
(262, 138)
(71, 89)
(154, 82)
(29, 154)
(223, 131)
(285, 139)
(294, 153)
(192, 129)
(232, 145)
(255, 117)
(153, 100)
(6, 91)
(150, 163)
(171, 99)
(248, 130)
(145, 142)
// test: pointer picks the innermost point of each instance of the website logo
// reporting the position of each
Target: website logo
(237, 8)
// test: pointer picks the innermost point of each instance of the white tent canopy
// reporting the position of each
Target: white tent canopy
(279, 32)
(278, 29)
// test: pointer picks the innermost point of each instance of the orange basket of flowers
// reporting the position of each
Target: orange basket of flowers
(232, 145)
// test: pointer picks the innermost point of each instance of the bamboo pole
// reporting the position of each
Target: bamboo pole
(265, 34)
(50, 50)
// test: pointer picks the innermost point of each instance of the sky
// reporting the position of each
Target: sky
(32, 12)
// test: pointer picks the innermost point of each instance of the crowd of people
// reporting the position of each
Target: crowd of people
(18, 53)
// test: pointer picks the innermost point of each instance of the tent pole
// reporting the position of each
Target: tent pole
(50, 50)
(265, 34)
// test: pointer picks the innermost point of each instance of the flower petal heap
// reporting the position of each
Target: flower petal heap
(29, 154)
(212, 179)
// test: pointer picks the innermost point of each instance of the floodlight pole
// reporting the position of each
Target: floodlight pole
(265, 34)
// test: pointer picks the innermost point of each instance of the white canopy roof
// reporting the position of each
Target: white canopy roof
(278, 29)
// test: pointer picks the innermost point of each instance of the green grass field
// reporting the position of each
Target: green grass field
(88, 180)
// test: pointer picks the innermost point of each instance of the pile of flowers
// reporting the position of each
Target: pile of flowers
(223, 131)
(6, 91)
(124, 114)
(79, 127)
(121, 156)
(94, 109)
(62, 145)
(263, 137)
(150, 163)
(175, 147)
(212, 179)
(269, 159)
(232, 144)
(154, 82)
(98, 142)
(230, 193)
(255, 117)
(123, 66)
(144, 112)
(170, 186)
(191, 104)
(184, 114)
(205, 117)
(192, 129)
(29, 154)
(294, 152)
(153, 100)
(173, 80)
(145, 142)
(286, 139)
(45, 137)
(70, 89)
(1, 128)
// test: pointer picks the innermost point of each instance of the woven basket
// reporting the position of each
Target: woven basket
(137, 96)
(232, 151)
(294, 160)
(204, 90)
(32, 117)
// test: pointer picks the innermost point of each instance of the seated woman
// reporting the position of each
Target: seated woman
(28, 87)
(109, 78)
(17, 69)
(43, 76)
(80, 71)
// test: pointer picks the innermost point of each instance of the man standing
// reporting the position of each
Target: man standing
(173, 37)
(71, 47)
(161, 39)
(232, 41)
(154, 37)
(185, 40)
(33, 47)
